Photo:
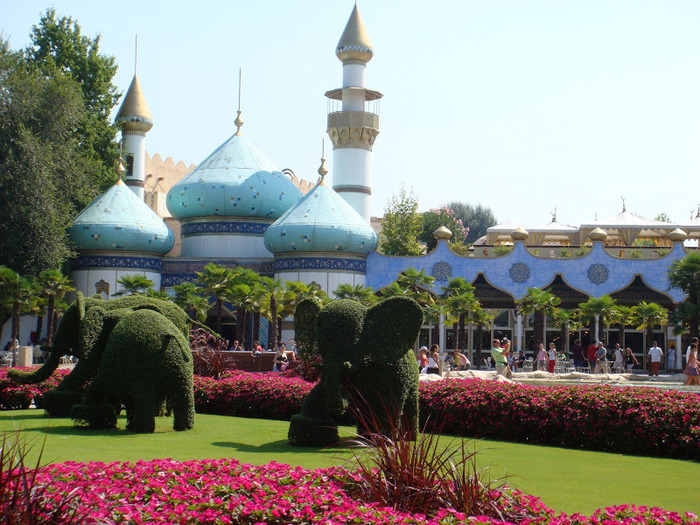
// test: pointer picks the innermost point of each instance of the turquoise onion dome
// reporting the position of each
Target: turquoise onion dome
(119, 221)
(321, 222)
(236, 180)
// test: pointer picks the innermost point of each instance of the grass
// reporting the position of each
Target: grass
(566, 480)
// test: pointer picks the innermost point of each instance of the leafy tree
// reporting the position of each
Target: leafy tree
(566, 320)
(477, 218)
(412, 283)
(271, 291)
(599, 309)
(662, 217)
(58, 47)
(53, 286)
(361, 294)
(42, 177)
(459, 299)
(540, 303)
(133, 285)
(243, 292)
(17, 296)
(480, 319)
(646, 316)
(188, 296)
(685, 274)
(401, 225)
(433, 219)
(621, 316)
(214, 281)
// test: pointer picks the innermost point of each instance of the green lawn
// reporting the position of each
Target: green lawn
(567, 480)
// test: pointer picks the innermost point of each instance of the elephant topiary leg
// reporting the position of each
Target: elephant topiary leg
(144, 414)
(183, 409)
(313, 427)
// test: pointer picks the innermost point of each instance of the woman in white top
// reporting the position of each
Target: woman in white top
(551, 358)
(434, 360)
(619, 359)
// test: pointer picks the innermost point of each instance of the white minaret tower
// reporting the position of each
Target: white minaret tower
(135, 120)
(351, 128)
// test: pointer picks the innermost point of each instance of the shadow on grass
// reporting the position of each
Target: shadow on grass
(281, 445)
(23, 417)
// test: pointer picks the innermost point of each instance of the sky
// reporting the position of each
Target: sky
(521, 106)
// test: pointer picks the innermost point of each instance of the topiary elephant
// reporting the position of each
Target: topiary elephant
(368, 363)
(146, 360)
(83, 332)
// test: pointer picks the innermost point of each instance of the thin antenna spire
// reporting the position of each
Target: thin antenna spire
(239, 121)
(322, 170)
(136, 53)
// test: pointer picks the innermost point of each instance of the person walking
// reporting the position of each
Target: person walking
(619, 359)
(434, 360)
(630, 359)
(577, 355)
(601, 361)
(551, 358)
(691, 369)
(591, 353)
(541, 358)
(656, 355)
(499, 354)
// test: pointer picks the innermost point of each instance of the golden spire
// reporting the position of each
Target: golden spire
(354, 43)
(120, 169)
(322, 170)
(239, 121)
(134, 113)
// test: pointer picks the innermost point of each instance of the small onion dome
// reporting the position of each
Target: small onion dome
(234, 181)
(677, 235)
(597, 235)
(119, 221)
(321, 222)
(354, 43)
(442, 234)
(134, 113)
(519, 234)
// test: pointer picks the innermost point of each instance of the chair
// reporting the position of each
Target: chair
(487, 362)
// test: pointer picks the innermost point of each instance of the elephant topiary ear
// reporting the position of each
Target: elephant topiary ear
(340, 327)
(91, 329)
(305, 328)
(391, 328)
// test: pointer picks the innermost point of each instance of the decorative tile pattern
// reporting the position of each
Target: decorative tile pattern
(519, 272)
(254, 228)
(108, 261)
(598, 273)
(442, 271)
(319, 263)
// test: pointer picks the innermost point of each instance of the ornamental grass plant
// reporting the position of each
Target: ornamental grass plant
(25, 499)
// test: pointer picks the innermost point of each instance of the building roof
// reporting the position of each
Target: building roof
(354, 43)
(134, 113)
(321, 222)
(236, 180)
(119, 221)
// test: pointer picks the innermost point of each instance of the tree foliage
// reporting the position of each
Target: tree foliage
(57, 146)
(476, 217)
(433, 219)
(401, 225)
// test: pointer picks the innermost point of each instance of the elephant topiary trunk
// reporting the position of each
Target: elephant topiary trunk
(368, 367)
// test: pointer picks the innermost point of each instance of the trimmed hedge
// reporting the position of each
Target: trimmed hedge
(632, 420)
(14, 396)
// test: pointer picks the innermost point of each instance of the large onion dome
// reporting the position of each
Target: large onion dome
(119, 221)
(236, 180)
(321, 222)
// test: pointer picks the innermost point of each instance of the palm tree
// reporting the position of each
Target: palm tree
(646, 316)
(188, 296)
(480, 319)
(360, 293)
(271, 290)
(685, 274)
(540, 303)
(621, 316)
(599, 309)
(214, 281)
(18, 296)
(566, 320)
(459, 299)
(53, 286)
(133, 285)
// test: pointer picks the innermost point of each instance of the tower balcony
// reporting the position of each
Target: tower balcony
(353, 129)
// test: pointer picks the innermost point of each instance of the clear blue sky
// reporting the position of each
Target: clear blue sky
(518, 105)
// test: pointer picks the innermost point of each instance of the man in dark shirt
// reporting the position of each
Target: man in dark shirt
(577, 355)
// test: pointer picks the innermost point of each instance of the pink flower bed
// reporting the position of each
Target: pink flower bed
(14, 396)
(245, 394)
(633, 420)
(226, 491)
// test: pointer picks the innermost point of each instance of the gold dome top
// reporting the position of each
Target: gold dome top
(519, 234)
(442, 234)
(597, 235)
(134, 113)
(677, 235)
(322, 170)
(354, 43)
